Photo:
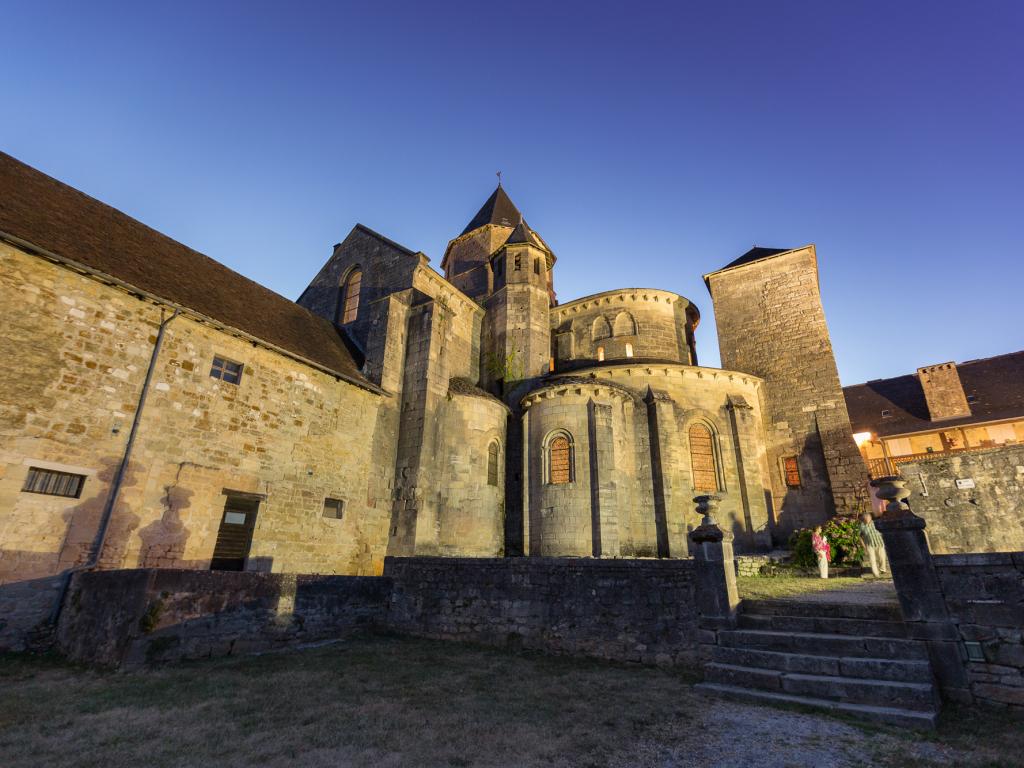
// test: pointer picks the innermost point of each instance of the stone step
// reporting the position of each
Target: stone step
(894, 716)
(887, 693)
(829, 625)
(900, 670)
(822, 644)
(838, 610)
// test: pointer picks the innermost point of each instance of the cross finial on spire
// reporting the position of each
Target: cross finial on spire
(498, 174)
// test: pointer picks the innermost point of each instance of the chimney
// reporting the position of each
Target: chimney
(943, 392)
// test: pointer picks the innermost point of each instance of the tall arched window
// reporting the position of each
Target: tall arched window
(702, 459)
(350, 295)
(492, 463)
(560, 469)
(600, 354)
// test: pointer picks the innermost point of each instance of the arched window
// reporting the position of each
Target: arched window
(492, 463)
(625, 325)
(350, 295)
(702, 459)
(600, 354)
(600, 329)
(560, 464)
(629, 350)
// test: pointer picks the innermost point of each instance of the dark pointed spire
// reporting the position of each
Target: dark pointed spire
(521, 234)
(497, 210)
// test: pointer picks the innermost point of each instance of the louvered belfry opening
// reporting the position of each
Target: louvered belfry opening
(702, 459)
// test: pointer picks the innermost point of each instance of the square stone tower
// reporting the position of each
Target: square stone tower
(771, 323)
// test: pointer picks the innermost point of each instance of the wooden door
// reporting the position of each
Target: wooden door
(235, 535)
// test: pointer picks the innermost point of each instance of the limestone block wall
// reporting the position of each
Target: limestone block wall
(986, 515)
(984, 594)
(772, 325)
(145, 616)
(287, 432)
(627, 610)
(658, 325)
(472, 509)
(466, 262)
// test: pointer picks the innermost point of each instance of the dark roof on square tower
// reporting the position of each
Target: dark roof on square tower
(43, 214)
(498, 209)
(994, 386)
(755, 254)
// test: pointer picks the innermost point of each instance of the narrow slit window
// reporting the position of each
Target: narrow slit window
(353, 284)
(226, 370)
(560, 461)
(334, 509)
(791, 468)
(519, 262)
(52, 483)
(702, 459)
(629, 350)
(492, 464)
(536, 266)
(600, 354)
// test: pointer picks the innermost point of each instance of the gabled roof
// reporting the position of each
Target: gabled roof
(497, 210)
(57, 219)
(996, 384)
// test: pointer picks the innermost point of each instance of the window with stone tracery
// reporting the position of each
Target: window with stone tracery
(702, 459)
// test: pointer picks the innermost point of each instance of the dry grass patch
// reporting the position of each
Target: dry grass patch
(768, 587)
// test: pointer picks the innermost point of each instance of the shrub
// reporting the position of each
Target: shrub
(843, 534)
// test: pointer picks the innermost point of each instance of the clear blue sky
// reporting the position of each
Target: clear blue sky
(647, 143)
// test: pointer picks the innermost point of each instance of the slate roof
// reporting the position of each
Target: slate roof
(997, 384)
(756, 254)
(498, 209)
(54, 217)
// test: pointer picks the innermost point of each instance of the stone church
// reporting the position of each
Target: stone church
(160, 410)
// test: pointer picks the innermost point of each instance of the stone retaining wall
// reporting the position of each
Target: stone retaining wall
(984, 595)
(131, 617)
(626, 610)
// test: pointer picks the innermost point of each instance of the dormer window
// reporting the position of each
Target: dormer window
(886, 413)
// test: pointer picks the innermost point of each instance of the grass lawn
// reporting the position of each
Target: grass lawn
(765, 587)
(383, 701)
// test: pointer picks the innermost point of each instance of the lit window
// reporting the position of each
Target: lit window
(600, 353)
(791, 469)
(629, 350)
(334, 508)
(492, 464)
(560, 460)
(972, 398)
(353, 283)
(52, 483)
(226, 370)
(702, 459)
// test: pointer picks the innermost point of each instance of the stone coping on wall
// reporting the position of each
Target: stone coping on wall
(622, 294)
(980, 559)
(599, 563)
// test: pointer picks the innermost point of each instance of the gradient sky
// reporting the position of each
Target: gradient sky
(647, 143)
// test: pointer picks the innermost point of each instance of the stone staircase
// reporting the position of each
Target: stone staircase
(854, 659)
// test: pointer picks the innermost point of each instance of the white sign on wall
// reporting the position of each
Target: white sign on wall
(965, 483)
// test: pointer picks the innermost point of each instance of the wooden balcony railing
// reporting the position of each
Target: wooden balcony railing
(891, 466)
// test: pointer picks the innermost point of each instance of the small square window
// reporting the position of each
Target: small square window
(886, 413)
(226, 370)
(53, 483)
(334, 508)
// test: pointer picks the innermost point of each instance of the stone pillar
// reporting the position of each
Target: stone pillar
(670, 519)
(918, 587)
(717, 597)
(604, 514)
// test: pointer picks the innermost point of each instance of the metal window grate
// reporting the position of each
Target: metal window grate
(53, 483)
(226, 370)
(559, 461)
(791, 467)
(702, 458)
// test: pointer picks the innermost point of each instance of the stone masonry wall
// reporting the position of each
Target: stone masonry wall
(771, 324)
(988, 517)
(626, 610)
(984, 594)
(287, 432)
(128, 618)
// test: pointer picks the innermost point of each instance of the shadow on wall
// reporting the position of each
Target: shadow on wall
(83, 522)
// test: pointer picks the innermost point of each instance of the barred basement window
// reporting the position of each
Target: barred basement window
(53, 483)
(791, 468)
(702, 459)
(226, 370)
(353, 283)
(560, 460)
(334, 508)
(492, 464)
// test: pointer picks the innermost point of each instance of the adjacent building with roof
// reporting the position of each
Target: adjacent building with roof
(160, 410)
